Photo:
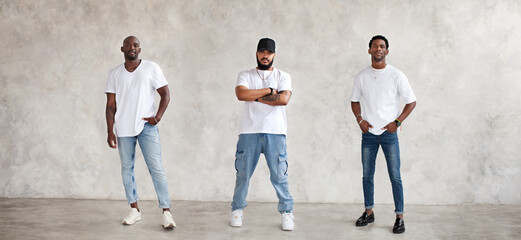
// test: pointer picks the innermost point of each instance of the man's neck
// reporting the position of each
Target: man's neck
(131, 65)
(379, 65)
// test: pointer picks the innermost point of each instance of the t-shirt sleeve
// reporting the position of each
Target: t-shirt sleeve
(111, 83)
(158, 78)
(356, 94)
(285, 83)
(242, 79)
(405, 89)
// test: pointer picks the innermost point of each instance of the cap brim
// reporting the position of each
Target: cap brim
(262, 49)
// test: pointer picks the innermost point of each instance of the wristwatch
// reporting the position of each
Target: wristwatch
(398, 123)
(271, 91)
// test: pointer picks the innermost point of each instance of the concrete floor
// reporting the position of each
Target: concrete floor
(101, 219)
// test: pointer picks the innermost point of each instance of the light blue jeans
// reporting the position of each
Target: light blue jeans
(151, 148)
(249, 148)
(391, 149)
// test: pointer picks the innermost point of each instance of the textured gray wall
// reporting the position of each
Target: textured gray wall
(460, 145)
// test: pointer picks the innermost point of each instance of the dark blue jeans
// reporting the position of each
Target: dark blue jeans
(391, 149)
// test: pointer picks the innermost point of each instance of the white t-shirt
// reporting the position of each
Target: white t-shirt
(380, 90)
(135, 95)
(259, 117)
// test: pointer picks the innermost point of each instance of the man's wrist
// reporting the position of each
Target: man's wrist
(398, 122)
(359, 118)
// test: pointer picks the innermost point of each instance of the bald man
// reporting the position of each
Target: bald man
(131, 112)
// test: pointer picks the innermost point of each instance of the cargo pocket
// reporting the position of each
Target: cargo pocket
(239, 164)
(283, 167)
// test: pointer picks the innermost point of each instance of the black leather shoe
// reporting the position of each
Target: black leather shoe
(399, 226)
(364, 219)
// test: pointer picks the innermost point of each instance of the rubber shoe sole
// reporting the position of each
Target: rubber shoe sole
(171, 226)
(126, 223)
(364, 223)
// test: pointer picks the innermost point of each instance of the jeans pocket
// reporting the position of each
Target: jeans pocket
(283, 167)
(391, 132)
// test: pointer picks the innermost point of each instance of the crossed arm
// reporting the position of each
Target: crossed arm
(263, 95)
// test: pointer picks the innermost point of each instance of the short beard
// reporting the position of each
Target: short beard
(264, 67)
(378, 59)
(132, 58)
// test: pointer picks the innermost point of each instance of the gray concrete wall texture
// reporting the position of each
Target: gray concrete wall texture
(460, 145)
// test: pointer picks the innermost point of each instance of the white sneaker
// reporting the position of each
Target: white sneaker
(287, 222)
(236, 218)
(168, 221)
(132, 217)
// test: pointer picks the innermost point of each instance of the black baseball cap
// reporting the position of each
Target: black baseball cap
(266, 44)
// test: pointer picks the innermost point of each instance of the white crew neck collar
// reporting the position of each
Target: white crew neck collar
(379, 70)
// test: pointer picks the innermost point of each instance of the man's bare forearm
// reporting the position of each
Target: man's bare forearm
(279, 99)
(110, 112)
(357, 110)
(164, 92)
(271, 98)
(406, 111)
(163, 104)
(245, 94)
